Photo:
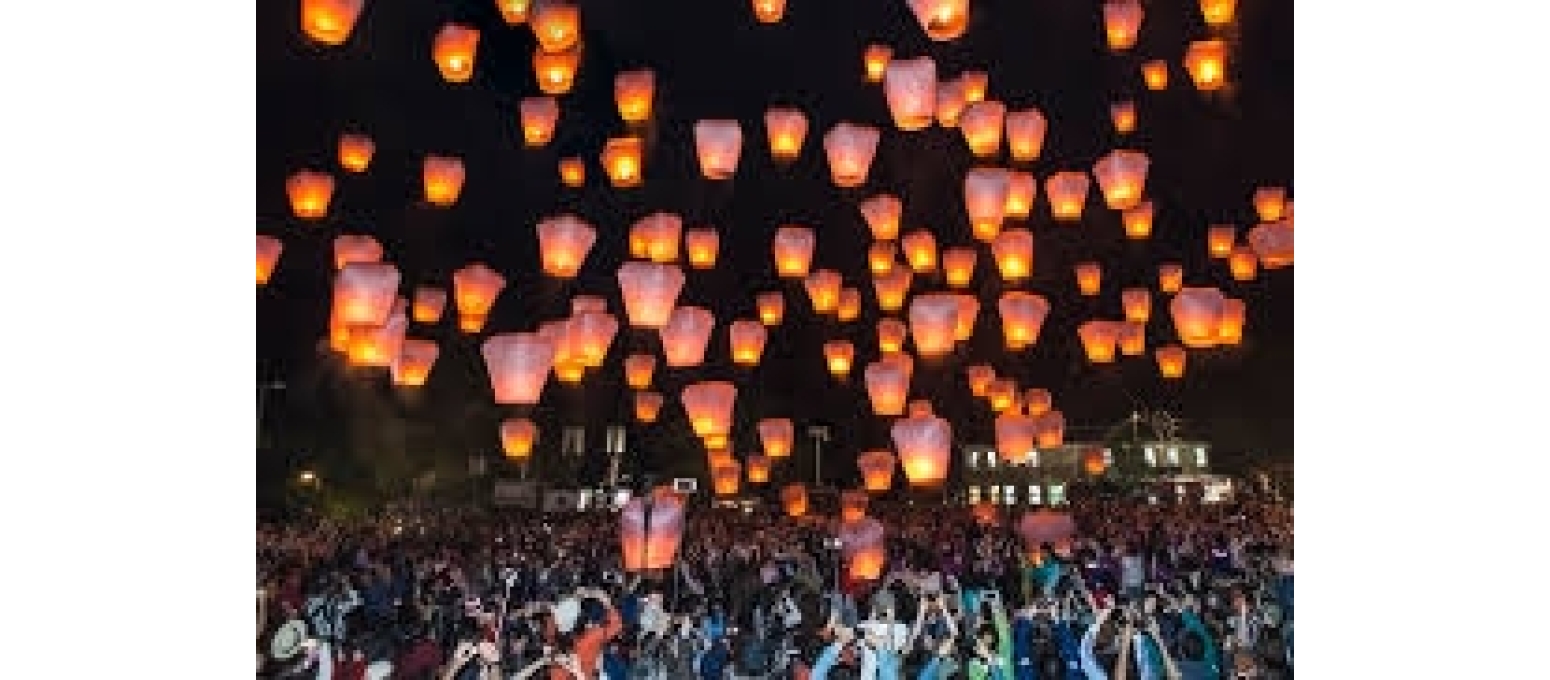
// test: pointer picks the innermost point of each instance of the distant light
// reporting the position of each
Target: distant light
(308, 476)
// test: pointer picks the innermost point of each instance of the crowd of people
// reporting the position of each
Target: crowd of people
(1193, 592)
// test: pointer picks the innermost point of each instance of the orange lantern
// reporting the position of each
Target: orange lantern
(1022, 317)
(355, 152)
(1132, 338)
(1197, 316)
(1137, 303)
(950, 103)
(1093, 463)
(875, 61)
(792, 247)
(454, 50)
(823, 290)
(984, 197)
(910, 88)
(513, 11)
(1098, 338)
(442, 177)
(981, 124)
(592, 332)
(888, 384)
(517, 437)
(850, 304)
(1122, 178)
(890, 335)
(330, 22)
(1220, 239)
(853, 505)
(474, 289)
(975, 85)
(656, 236)
(725, 478)
(718, 143)
(1122, 23)
(838, 355)
(557, 25)
(633, 93)
(925, 448)
(377, 346)
(556, 71)
(716, 453)
(1013, 251)
(1229, 330)
(876, 470)
(1124, 116)
(882, 214)
(519, 365)
(429, 302)
(772, 307)
(747, 339)
(850, 148)
(769, 11)
(1138, 221)
(758, 469)
(942, 20)
(355, 248)
(1155, 73)
(777, 435)
(622, 161)
(1025, 134)
(880, 257)
(1021, 189)
(573, 172)
(638, 369)
(892, 288)
(1016, 435)
(650, 292)
(1089, 277)
(920, 250)
(958, 265)
(968, 313)
(1052, 429)
(686, 335)
(1206, 61)
(1270, 203)
(649, 535)
(647, 406)
(1170, 361)
(1038, 401)
(702, 246)
(1067, 192)
(1170, 277)
(794, 498)
(786, 129)
(413, 365)
(269, 249)
(364, 293)
(539, 116)
(864, 549)
(563, 244)
(1272, 243)
(985, 514)
(309, 193)
(709, 407)
(1218, 12)
(1242, 263)
(980, 376)
(1001, 394)
(934, 324)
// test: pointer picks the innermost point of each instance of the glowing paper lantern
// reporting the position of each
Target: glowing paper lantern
(975, 85)
(1229, 330)
(429, 303)
(269, 249)
(1089, 278)
(556, 25)
(1052, 429)
(650, 292)
(633, 93)
(709, 406)
(950, 103)
(910, 88)
(517, 437)
(920, 250)
(968, 313)
(563, 244)
(882, 214)
(647, 406)
(591, 334)
(924, 444)
(573, 172)
(519, 365)
(583, 304)
(934, 324)
(1021, 190)
(413, 365)
(355, 152)
(350, 248)
(1025, 134)
(746, 339)
(793, 497)
(622, 161)
(378, 346)
(942, 20)
(887, 385)
(474, 289)
(539, 116)
(1122, 178)
(513, 11)
(880, 257)
(864, 549)
(786, 129)
(850, 304)
(1098, 339)
(1170, 277)
(1022, 317)
(1270, 203)
(853, 506)
(1038, 401)
(892, 288)
(686, 335)
(1170, 361)
(1016, 435)
(1155, 74)
(850, 148)
(792, 247)
(758, 469)
(1206, 61)
(777, 435)
(1197, 315)
(1002, 394)
(1124, 116)
(980, 376)
(1132, 338)
(1220, 239)
(772, 307)
(454, 50)
(984, 197)
(838, 355)
(719, 143)
(442, 177)
(1067, 192)
(1122, 23)
(309, 193)
(1218, 12)
(1137, 303)
(330, 22)
(1013, 251)
(556, 71)
(650, 539)
(364, 293)
(823, 290)
(656, 237)
(876, 469)
(1138, 221)
(981, 124)
(702, 246)
(958, 266)
(1242, 263)
(638, 369)
(1272, 244)
(769, 11)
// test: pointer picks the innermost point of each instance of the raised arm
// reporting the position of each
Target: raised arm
(826, 660)
(1089, 640)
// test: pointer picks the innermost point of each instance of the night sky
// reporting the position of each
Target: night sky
(713, 61)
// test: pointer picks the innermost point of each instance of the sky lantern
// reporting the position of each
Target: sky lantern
(950, 103)
(517, 437)
(1270, 203)
(1220, 239)
(647, 406)
(874, 62)
(514, 11)
(1122, 178)
(413, 365)
(823, 290)
(638, 369)
(758, 469)
(968, 313)
(849, 307)
(838, 355)
(709, 406)
(980, 376)
(1013, 251)
(718, 143)
(1217, 12)
(474, 289)
(786, 129)
(1093, 463)
(879, 257)
(1137, 303)
(850, 148)
(864, 549)
(1138, 221)
(887, 385)
(377, 346)
(364, 293)
(920, 250)
(650, 540)
(556, 71)
(1229, 330)
(1016, 435)
(309, 192)
(853, 505)
(924, 444)
(975, 85)
(442, 177)
(355, 152)
(355, 248)
(1155, 74)
(934, 323)
(1001, 394)
(892, 288)
(1089, 278)
(876, 469)
(330, 22)
(573, 171)
(1123, 114)
(1037, 401)
(702, 246)
(656, 237)
(981, 124)
(1067, 192)
(686, 335)
(582, 304)
(1170, 277)
(269, 249)
(725, 478)
(1206, 61)
(909, 86)
(454, 50)
(958, 266)
(538, 116)
(984, 198)
(556, 25)
(792, 247)
(891, 334)
(1098, 338)
(882, 214)
(1170, 361)
(1022, 317)
(772, 307)
(592, 333)
(1197, 315)
(1021, 190)
(429, 303)
(1025, 134)
(777, 435)
(717, 452)
(519, 365)
(942, 20)
(1122, 23)
(633, 93)
(769, 11)
(1242, 263)
(1052, 429)
(650, 292)
(746, 339)
(622, 161)
(793, 497)
(1272, 243)
(1132, 338)
(563, 244)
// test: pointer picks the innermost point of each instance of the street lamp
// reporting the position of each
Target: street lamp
(820, 434)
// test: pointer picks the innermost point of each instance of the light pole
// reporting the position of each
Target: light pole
(820, 434)
(263, 397)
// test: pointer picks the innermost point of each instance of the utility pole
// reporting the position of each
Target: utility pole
(820, 434)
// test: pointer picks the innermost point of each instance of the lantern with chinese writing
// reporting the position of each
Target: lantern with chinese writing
(364, 293)
(686, 335)
(355, 152)
(429, 303)
(1022, 317)
(837, 355)
(309, 193)
(1242, 263)
(1229, 330)
(1218, 12)
(563, 244)
(772, 307)
(910, 88)
(876, 469)
(633, 92)
(269, 249)
(1122, 23)
(538, 116)
(474, 289)
(709, 406)
(1124, 116)
(647, 406)
(1155, 74)
(1098, 338)
(556, 25)
(702, 246)
(519, 365)
(823, 290)
(1220, 239)
(850, 304)
(650, 530)
(1016, 435)
(984, 198)
(718, 144)
(517, 437)
(573, 172)
(875, 60)
(1122, 178)
(556, 71)
(981, 124)
(1037, 401)
(1132, 338)
(942, 20)
(1138, 221)
(454, 50)
(413, 365)
(777, 434)
(1089, 278)
(350, 248)
(442, 177)
(1067, 192)
(850, 148)
(746, 339)
(919, 250)
(638, 369)
(892, 288)
(794, 499)
(1170, 277)
(1206, 61)
(786, 129)
(882, 214)
(934, 323)
(924, 444)
(622, 161)
(1013, 250)
(792, 247)
(1025, 134)
(1021, 189)
(330, 22)
(1272, 243)
(656, 236)
(958, 266)
(887, 385)
(1170, 361)
(1197, 315)
(650, 292)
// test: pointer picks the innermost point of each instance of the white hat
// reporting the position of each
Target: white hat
(288, 640)
(566, 611)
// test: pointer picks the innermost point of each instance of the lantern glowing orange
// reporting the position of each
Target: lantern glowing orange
(454, 50)
(864, 549)
(792, 247)
(591, 334)
(413, 365)
(934, 324)
(1218, 12)
(879, 257)
(686, 335)
(1098, 338)
(772, 307)
(1052, 429)
(1242, 263)
(1022, 317)
(920, 250)
(838, 355)
(1170, 277)
(702, 246)
(1016, 435)
(355, 248)
(647, 406)
(853, 505)
(850, 148)
(758, 469)
(355, 152)
(769, 11)
(968, 314)
(709, 406)
(638, 369)
(1137, 303)
(950, 103)
(517, 437)
(1021, 189)
(1132, 338)
(1197, 315)
(1037, 401)
(958, 266)
(556, 25)
(1093, 463)
(1122, 23)
(429, 303)
(1206, 61)
(1124, 116)
(942, 20)
(875, 60)
(909, 85)
(650, 292)
(582, 304)
(364, 293)
(269, 249)
(1155, 74)
(1229, 330)
(1170, 361)
(786, 129)
(1002, 394)
(975, 85)
(985, 514)
(1013, 251)
(513, 11)
(849, 306)
(1025, 134)
(309, 193)
(656, 237)
(1089, 278)
(649, 535)
(573, 172)
(1220, 239)
(980, 376)
(538, 116)
(1067, 192)
(794, 499)
(725, 478)
(876, 469)
(633, 94)
(519, 365)
(924, 444)
(719, 143)
(1138, 221)
(777, 434)
(1272, 243)
(984, 198)
(717, 453)
(1122, 178)
(563, 244)
(981, 124)
(556, 71)
(823, 290)
(377, 346)
(746, 339)
(622, 161)
(442, 177)
(882, 214)
(330, 22)
(474, 289)
(888, 384)
(892, 288)
(890, 335)
(1270, 203)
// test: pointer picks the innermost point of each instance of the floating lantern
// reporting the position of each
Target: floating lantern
(891, 334)
(1021, 189)
(1124, 116)
(442, 177)
(718, 143)
(513, 11)
(1229, 330)
(429, 303)
(787, 130)
(709, 406)
(702, 246)
(364, 293)
(519, 365)
(758, 469)
(853, 506)
(309, 193)
(772, 307)
(1016, 435)
(838, 355)
(777, 436)
(556, 71)
(793, 497)
(1220, 239)
(539, 116)
(573, 172)
(454, 50)
(1122, 178)
(686, 335)
(412, 367)
(950, 103)
(1132, 338)
(638, 370)
(1270, 203)
(355, 248)
(924, 444)
(823, 290)
(474, 289)
(882, 214)
(958, 266)
(942, 20)
(980, 376)
(656, 237)
(919, 251)
(1025, 134)
(330, 22)
(650, 292)
(876, 469)
(849, 307)
(910, 88)
(934, 324)
(1089, 277)
(1138, 221)
(1122, 23)
(984, 196)
(1170, 361)
(1013, 251)
(647, 406)
(1206, 61)
(875, 60)
(377, 346)
(769, 11)
(1155, 74)
(1002, 394)
(1137, 303)
(583, 304)
(1038, 401)
(1170, 277)
(591, 334)
(649, 539)
(1272, 243)
(865, 550)
(563, 244)
(1218, 12)
(850, 149)
(1067, 192)
(622, 161)
(517, 437)
(1098, 338)
(746, 339)
(1052, 429)
(892, 288)
(355, 152)
(968, 313)
(556, 25)
(1242, 263)
(633, 93)
(792, 247)
(880, 257)
(1022, 317)
(981, 124)
(725, 478)
(1197, 315)
(975, 85)
(887, 385)
(269, 249)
